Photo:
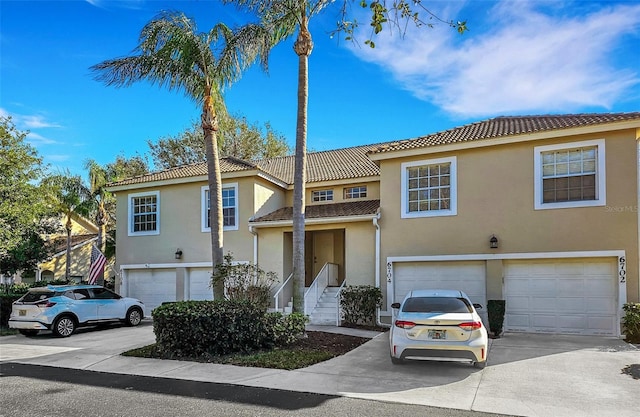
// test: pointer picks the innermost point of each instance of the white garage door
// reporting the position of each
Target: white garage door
(152, 287)
(469, 277)
(199, 288)
(570, 296)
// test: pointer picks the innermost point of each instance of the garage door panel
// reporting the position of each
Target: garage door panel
(152, 287)
(464, 276)
(199, 285)
(573, 296)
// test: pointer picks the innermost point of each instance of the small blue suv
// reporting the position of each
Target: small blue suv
(63, 308)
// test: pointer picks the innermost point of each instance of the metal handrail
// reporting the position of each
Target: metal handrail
(315, 288)
(279, 291)
(340, 288)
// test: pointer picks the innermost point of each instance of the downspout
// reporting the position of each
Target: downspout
(253, 231)
(377, 265)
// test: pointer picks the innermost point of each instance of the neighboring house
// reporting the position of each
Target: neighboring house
(83, 235)
(556, 195)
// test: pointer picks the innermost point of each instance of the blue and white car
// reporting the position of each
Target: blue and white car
(64, 308)
(438, 324)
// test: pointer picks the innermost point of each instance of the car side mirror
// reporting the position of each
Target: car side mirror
(395, 305)
(476, 305)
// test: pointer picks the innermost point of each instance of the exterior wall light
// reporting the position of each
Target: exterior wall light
(493, 242)
(178, 253)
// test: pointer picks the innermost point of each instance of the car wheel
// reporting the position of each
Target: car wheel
(397, 361)
(480, 365)
(28, 332)
(134, 317)
(64, 326)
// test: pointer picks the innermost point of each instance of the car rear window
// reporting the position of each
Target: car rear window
(35, 296)
(436, 305)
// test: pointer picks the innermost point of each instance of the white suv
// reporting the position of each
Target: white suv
(63, 308)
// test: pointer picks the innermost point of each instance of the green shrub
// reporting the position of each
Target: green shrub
(6, 300)
(244, 281)
(194, 328)
(359, 304)
(284, 330)
(631, 321)
(496, 310)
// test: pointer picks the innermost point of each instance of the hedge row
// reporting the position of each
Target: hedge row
(193, 328)
(5, 307)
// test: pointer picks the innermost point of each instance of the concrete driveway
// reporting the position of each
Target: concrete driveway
(528, 375)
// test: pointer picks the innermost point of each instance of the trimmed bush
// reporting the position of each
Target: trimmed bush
(496, 310)
(631, 322)
(194, 328)
(5, 307)
(359, 303)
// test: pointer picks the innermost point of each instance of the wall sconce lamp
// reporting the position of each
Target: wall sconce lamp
(493, 242)
(178, 253)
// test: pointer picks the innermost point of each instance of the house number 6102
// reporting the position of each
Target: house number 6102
(622, 270)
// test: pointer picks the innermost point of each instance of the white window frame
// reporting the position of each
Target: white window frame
(130, 222)
(204, 209)
(601, 194)
(453, 189)
(322, 195)
(362, 189)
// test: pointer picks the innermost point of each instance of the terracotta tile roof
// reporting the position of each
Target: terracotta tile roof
(507, 126)
(187, 171)
(352, 208)
(321, 166)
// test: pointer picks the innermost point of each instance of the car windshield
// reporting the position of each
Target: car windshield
(39, 295)
(436, 305)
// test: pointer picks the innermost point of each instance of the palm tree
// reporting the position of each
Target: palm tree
(171, 53)
(71, 198)
(284, 17)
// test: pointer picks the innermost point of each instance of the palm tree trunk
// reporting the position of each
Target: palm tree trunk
(209, 127)
(67, 269)
(303, 47)
(101, 221)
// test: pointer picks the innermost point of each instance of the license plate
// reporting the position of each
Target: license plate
(22, 312)
(437, 334)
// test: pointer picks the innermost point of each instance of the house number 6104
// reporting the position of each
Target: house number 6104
(622, 270)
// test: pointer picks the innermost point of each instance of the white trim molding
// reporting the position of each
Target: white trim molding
(601, 179)
(453, 189)
(203, 204)
(130, 214)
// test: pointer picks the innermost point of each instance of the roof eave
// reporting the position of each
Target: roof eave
(320, 220)
(505, 140)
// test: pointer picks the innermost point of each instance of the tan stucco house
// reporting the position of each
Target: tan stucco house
(541, 211)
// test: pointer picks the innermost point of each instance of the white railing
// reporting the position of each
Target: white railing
(337, 296)
(280, 293)
(328, 272)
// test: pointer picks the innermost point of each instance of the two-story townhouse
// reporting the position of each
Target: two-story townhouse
(539, 210)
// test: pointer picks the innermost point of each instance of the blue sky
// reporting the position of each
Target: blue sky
(518, 57)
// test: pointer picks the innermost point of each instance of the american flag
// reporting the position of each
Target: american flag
(97, 265)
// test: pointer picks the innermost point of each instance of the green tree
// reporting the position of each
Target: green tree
(23, 211)
(238, 138)
(71, 198)
(172, 53)
(284, 18)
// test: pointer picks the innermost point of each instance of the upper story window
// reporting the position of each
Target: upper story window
(322, 195)
(355, 192)
(429, 188)
(570, 175)
(144, 214)
(229, 207)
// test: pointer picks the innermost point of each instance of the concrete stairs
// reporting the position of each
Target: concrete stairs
(326, 310)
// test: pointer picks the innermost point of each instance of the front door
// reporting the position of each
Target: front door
(322, 250)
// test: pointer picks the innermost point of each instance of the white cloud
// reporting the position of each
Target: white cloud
(36, 122)
(527, 61)
(58, 158)
(125, 4)
(37, 139)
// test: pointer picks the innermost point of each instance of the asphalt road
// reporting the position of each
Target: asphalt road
(41, 391)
